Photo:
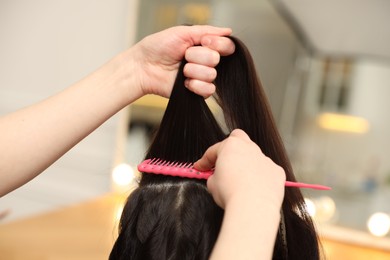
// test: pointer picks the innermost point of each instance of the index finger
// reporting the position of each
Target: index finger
(196, 32)
(209, 158)
(223, 45)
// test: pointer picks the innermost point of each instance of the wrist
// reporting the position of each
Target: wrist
(255, 221)
(255, 201)
(128, 81)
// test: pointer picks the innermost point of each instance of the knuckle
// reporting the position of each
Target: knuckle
(186, 69)
(212, 74)
(236, 132)
(214, 58)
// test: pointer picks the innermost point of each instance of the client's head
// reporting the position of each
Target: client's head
(173, 218)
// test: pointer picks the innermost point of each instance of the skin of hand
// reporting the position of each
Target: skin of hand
(240, 168)
(158, 57)
(34, 137)
(250, 187)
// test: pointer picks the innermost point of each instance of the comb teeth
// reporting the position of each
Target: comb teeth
(179, 169)
(187, 170)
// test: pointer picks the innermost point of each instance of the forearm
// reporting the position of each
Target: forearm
(33, 138)
(248, 230)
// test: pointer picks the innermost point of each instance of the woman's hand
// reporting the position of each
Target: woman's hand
(242, 171)
(250, 187)
(157, 58)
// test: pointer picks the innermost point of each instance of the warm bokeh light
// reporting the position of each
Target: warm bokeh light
(344, 123)
(123, 174)
(310, 207)
(325, 208)
(379, 224)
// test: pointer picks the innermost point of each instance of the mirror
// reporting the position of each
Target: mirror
(338, 136)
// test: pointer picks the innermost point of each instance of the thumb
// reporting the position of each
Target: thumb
(213, 190)
(209, 158)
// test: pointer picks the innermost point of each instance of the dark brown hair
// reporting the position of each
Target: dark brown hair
(176, 218)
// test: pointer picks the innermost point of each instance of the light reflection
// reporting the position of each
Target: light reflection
(123, 174)
(310, 207)
(118, 213)
(344, 123)
(322, 209)
(326, 208)
(379, 224)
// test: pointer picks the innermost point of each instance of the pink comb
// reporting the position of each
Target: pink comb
(187, 170)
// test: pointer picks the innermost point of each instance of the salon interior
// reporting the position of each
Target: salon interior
(325, 67)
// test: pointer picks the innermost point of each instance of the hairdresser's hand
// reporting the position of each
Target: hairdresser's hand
(242, 172)
(158, 56)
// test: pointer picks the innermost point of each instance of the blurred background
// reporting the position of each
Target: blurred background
(325, 66)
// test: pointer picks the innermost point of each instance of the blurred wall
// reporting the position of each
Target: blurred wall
(45, 46)
(272, 43)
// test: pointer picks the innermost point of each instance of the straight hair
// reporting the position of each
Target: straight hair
(176, 218)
